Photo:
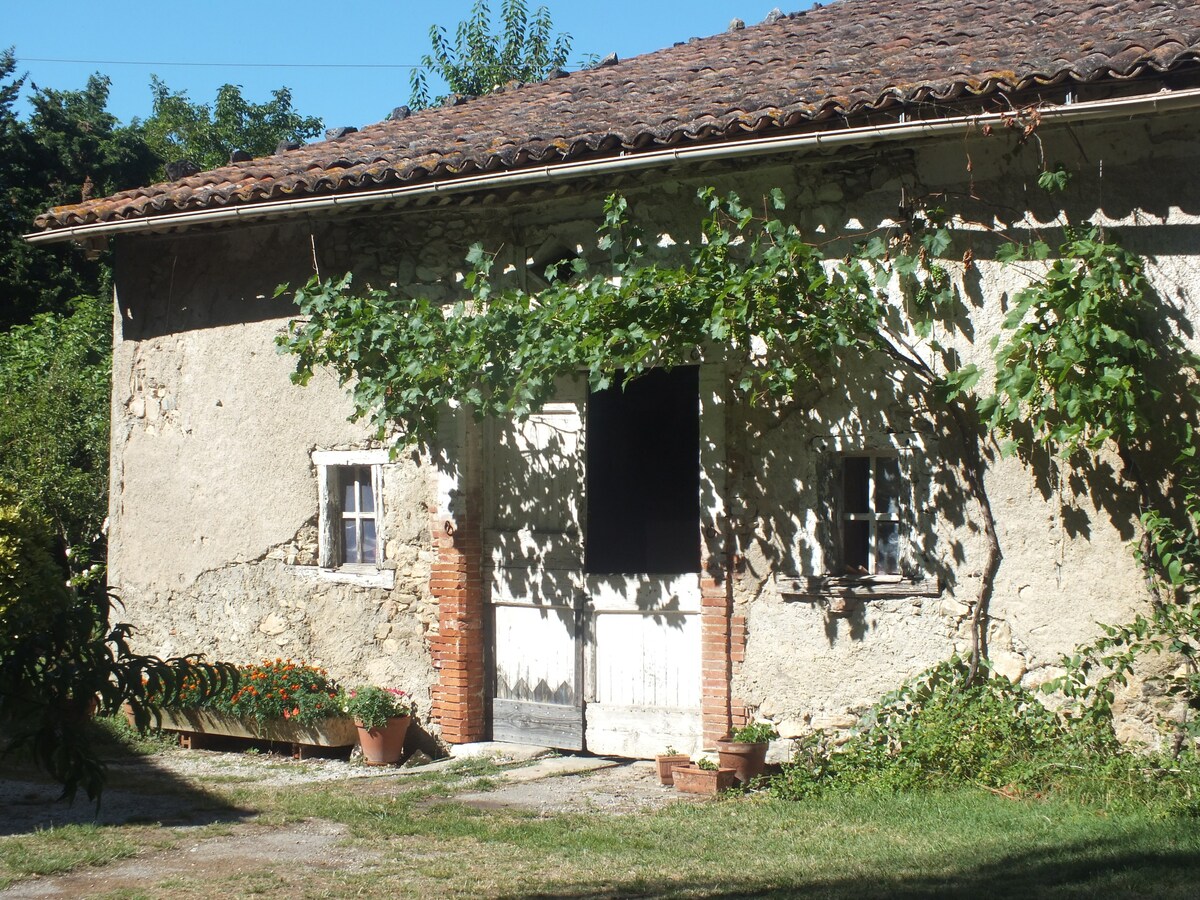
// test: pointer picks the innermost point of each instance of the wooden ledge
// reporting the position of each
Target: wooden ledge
(850, 587)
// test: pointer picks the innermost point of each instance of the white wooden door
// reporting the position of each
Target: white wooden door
(642, 665)
(535, 550)
(606, 663)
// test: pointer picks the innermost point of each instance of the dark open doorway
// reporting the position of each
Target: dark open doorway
(643, 475)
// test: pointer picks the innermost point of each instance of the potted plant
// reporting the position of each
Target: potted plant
(746, 750)
(705, 777)
(666, 763)
(382, 716)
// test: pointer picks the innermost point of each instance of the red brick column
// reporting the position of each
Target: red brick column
(715, 661)
(459, 697)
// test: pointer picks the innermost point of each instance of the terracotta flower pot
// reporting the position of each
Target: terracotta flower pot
(383, 746)
(694, 780)
(747, 760)
(667, 764)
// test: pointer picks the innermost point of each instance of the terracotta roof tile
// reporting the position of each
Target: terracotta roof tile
(845, 58)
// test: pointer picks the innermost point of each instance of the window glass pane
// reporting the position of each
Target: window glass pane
(366, 494)
(887, 549)
(855, 479)
(856, 547)
(368, 541)
(887, 486)
(349, 502)
(350, 541)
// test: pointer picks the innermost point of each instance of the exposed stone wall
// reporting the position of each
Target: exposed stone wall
(213, 539)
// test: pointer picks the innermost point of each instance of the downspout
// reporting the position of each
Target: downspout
(894, 132)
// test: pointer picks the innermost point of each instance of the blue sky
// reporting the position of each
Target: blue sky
(289, 41)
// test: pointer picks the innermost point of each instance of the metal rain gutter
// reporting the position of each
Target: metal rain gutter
(1164, 101)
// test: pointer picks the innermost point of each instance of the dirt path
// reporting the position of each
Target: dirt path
(207, 838)
(288, 853)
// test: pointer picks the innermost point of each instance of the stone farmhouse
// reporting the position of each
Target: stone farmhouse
(625, 570)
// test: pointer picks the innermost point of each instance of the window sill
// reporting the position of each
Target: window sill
(855, 587)
(360, 576)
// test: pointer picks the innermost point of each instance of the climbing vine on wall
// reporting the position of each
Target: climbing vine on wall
(1077, 369)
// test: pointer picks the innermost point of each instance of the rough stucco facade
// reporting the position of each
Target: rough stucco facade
(215, 495)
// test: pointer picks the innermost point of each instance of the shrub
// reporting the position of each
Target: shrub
(938, 730)
(76, 661)
(754, 733)
(32, 582)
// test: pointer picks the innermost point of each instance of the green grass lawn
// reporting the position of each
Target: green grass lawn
(408, 837)
(964, 843)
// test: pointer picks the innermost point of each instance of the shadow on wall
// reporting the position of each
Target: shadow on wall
(788, 461)
(195, 281)
(789, 517)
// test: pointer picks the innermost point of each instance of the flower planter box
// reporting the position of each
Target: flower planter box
(694, 780)
(335, 732)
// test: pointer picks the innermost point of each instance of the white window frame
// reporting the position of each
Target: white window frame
(330, 465)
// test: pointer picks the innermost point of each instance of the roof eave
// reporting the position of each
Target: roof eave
(1162, 101)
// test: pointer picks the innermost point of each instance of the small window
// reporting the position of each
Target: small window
(351, 509)
(872, 491)
(359, 543)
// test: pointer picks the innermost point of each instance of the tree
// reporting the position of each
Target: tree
(181, 129)
(54, 421)
(60, 651)
(70, 148)
(479, 61)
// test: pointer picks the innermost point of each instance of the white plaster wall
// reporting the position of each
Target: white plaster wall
(213, 520)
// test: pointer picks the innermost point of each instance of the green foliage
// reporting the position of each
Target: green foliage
(1170, 552)
(58, 649)
(940, 731)
(1083, 368)
(179, 128)
(373, 706)
(1054, 180)
(935, 730)
(706, 764)
(53, 677)
(754, 733)
(1077, 369)
(71, 146)
(54, 421)
(32, 587)
(479, 61)
(753, 287)
(59, 657)
(1095, 669)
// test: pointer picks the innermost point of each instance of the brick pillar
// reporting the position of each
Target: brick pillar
(716, 670)
(456, 583)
